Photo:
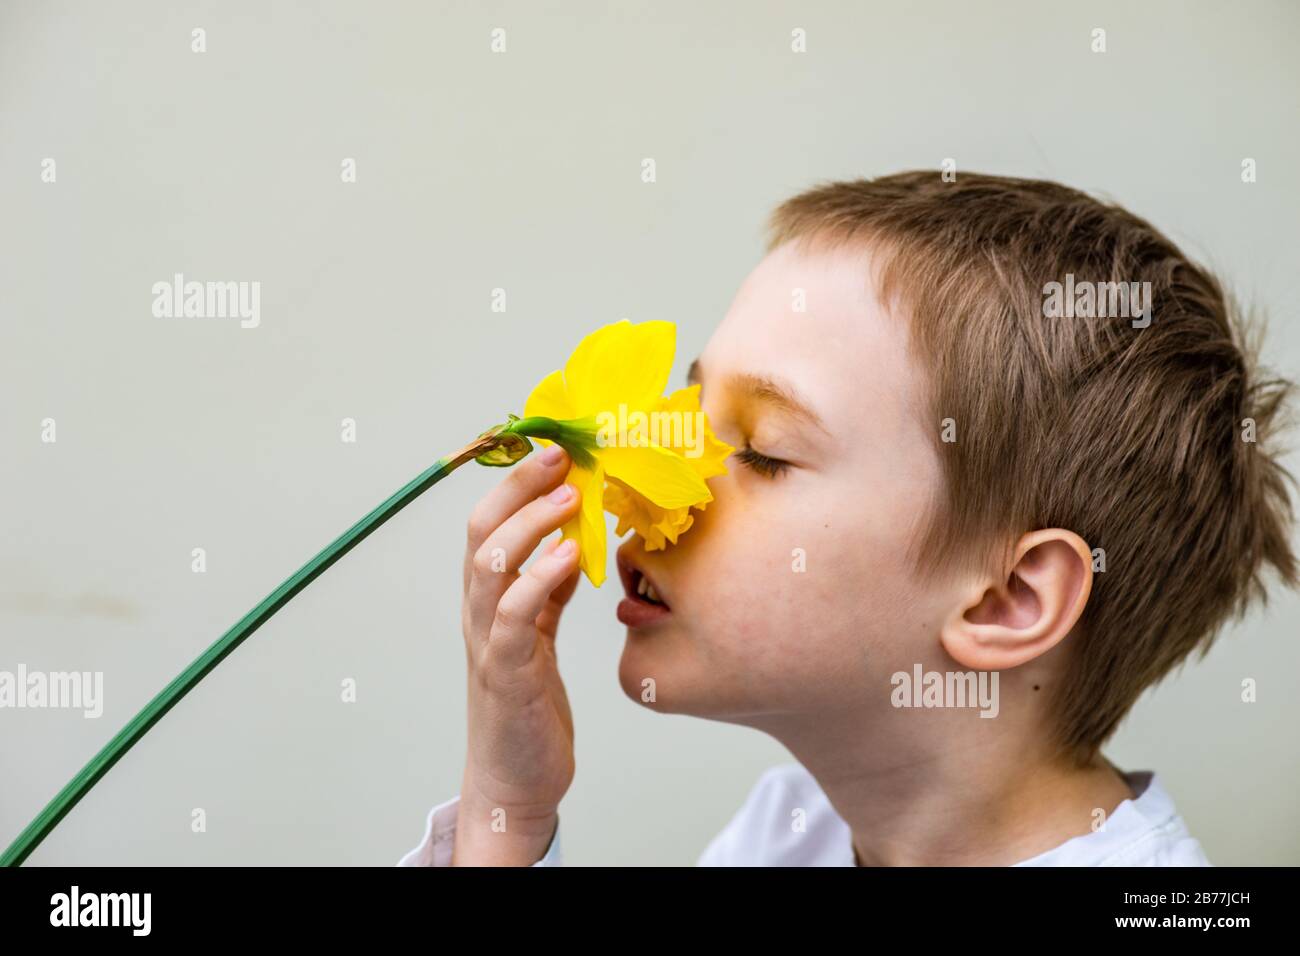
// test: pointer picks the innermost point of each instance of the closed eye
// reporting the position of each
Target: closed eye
(768, 467)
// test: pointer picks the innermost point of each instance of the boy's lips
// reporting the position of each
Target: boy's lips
(645, 603)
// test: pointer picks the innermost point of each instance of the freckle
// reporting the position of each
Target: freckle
(1035, 687)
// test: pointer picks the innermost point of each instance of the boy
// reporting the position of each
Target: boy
(1014, 437)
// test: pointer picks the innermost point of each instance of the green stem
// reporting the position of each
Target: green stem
(170, 696)
(576, 435)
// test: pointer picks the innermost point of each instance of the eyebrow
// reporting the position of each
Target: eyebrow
(768, 391)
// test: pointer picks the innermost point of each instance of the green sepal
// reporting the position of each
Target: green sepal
(577, 436)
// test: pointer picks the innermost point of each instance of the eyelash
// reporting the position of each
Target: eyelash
(768, 467)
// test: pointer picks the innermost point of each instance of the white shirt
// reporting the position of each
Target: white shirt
(1143, 831)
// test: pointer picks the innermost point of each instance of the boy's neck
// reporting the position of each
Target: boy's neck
(966, 807)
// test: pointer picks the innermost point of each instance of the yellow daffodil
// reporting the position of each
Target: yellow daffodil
(641, 455)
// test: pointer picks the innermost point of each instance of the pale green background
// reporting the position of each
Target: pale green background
(521, 171)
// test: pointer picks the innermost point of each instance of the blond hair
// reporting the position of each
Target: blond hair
(1148, 442)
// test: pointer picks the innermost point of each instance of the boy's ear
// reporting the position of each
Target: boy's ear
(1002, 624)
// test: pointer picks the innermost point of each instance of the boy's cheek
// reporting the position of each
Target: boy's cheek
(771, 642)
(787, 611)
(812, 599)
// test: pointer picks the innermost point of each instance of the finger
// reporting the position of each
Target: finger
(513, 636)
(548, 622)
(506, 549)
(533, 476)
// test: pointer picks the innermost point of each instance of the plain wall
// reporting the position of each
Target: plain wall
(519, 171)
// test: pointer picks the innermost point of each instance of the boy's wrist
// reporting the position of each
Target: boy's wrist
(497, 836)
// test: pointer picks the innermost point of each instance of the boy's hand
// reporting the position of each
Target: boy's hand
(519, 762)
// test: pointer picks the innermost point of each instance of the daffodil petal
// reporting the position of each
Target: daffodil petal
(662, 476)
(587, 527)
(549, 399)
(709, 461)
(683, 400)
(621, 363)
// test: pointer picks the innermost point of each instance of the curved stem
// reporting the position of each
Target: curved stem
(170, 696)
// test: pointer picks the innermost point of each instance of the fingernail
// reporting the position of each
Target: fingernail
(565, 549)
(551, 454)
(561, 494)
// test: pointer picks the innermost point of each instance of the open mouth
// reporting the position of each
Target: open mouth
(644, 604)
(645, 590)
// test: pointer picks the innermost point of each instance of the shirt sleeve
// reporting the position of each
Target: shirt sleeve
(440, 835)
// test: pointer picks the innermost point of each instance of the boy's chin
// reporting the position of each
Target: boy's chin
(661, 672)
(644, 666)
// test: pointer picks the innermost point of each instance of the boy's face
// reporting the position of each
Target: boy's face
(749, 634)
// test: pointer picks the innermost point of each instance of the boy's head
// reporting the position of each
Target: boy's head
(985, 467)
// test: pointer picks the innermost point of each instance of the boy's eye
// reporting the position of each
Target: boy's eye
(768, 467)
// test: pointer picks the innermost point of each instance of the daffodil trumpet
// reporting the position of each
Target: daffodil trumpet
(650, 488)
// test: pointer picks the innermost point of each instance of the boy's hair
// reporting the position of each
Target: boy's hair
(1148, 442)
